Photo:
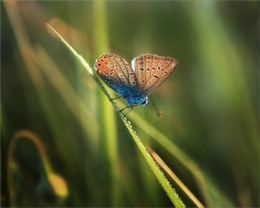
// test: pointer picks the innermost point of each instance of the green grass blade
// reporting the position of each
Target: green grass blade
(156, 170)
(206, 185)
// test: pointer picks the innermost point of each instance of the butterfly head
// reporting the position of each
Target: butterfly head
(145, 102)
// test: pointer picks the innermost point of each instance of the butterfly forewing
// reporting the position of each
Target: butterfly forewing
(156, 70)
(147, 67)
(115, 72)
(126, 70)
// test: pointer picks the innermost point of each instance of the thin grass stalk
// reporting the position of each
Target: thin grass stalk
(107, 113)
(199, 176)
(174, 177)
(30, 60)
(31, 65)
(152, 164)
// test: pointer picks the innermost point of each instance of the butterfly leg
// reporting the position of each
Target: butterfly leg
(129, 110)
(115, 98)
(126, 108)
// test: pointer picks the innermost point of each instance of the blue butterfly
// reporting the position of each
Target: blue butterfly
(134, 84)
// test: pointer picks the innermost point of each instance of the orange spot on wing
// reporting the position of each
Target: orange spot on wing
(100, 72)
(103, 61)
(102, 66)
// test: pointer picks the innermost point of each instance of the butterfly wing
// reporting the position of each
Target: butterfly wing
(152, 71)
(116, 73)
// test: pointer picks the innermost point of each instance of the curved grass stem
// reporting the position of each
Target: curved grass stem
(40, 147)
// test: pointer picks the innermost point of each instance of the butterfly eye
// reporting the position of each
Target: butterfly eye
(145, 102)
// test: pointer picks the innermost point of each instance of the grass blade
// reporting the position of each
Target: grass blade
(152, 164)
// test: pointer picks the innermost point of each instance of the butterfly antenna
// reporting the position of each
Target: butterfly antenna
(158, 112)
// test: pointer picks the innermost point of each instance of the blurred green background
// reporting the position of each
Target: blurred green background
(210, 105)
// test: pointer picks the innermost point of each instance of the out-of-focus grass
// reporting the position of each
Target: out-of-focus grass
(210, 105)
(107, 114)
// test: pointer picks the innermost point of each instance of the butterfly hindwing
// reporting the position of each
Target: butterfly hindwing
(152, 71)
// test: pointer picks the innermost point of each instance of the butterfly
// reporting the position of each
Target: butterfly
(135, 83)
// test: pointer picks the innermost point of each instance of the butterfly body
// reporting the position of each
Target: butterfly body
(135, 99)
(135, 83)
